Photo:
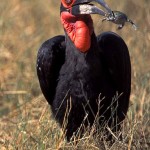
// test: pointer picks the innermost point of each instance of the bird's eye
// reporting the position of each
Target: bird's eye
(67, 3)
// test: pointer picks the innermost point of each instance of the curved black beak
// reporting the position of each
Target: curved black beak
(105, 5)
(83, 7)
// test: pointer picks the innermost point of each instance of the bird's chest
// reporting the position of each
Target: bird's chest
(80, 78)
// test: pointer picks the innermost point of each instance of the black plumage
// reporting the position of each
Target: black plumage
(72, 81)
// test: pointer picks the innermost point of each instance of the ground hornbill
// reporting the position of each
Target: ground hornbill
(80, 74)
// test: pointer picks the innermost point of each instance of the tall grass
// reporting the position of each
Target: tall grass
(26, 121)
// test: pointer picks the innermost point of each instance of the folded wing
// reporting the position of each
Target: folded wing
(116, 61)
(50, 58)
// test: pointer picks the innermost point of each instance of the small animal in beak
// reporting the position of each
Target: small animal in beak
(119, 18)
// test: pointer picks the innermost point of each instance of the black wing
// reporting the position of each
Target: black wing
(50, 58)
(116, 60)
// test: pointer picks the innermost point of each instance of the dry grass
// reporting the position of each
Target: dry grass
(26, 121)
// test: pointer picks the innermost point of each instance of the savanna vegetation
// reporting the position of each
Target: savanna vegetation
(25, 117)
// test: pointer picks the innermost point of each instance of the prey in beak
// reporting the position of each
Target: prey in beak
(120, 19)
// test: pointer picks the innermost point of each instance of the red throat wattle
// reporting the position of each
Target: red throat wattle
(79, 29)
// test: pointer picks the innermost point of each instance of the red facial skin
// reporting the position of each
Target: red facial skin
(79, 29)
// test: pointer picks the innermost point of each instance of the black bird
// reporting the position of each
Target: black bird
(73, 70)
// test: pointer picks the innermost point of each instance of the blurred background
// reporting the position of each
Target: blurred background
(25, 24)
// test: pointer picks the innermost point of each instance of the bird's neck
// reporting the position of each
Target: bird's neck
(79, 29)
(74, 55)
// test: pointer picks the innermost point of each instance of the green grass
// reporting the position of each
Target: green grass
(26, 121)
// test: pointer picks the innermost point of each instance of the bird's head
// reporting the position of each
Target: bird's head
(77, 22)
